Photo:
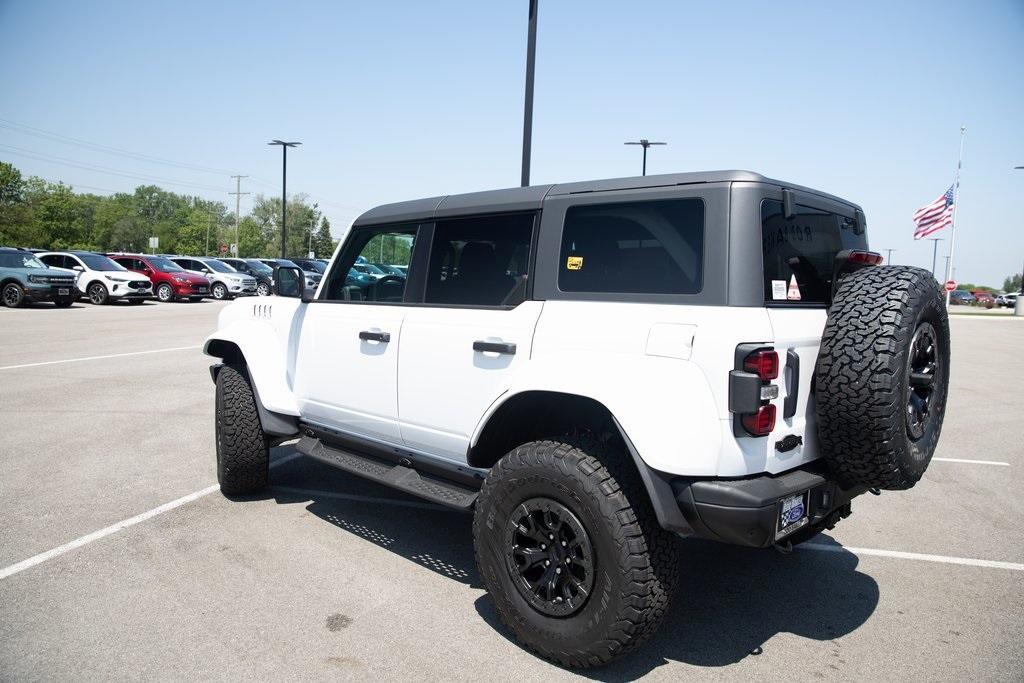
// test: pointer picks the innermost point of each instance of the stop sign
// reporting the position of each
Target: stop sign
(950, 285)
(223, 248)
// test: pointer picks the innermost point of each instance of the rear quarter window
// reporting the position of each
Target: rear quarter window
(648, 247)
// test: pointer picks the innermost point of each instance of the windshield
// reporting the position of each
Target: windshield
(285, 263)
(26, 260)
(259, 266)
(97, 262)
(165, 265)
(217, 266)
(314, 266)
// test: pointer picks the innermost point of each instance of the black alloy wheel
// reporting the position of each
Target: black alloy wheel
(549, 557)
(13, 295)
(923, 375)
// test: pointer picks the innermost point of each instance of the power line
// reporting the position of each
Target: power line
(40, 156)
(58, 137)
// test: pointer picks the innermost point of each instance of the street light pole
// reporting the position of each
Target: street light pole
(888, 256)
(645, 143)
(935, 250)
(284, 192)
(1019, 308)
(531, 52)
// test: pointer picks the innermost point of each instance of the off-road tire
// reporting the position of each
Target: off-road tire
(164, 292)
(637, 562)
(219, 291)
(863, 379)
(97, 293)
(243, 454)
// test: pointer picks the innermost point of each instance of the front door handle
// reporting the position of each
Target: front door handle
(506, 348)
(367, 335)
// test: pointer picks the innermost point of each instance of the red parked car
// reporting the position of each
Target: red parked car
(984, 298)
(170, 281)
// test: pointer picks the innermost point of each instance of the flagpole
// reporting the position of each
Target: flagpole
(956, 210)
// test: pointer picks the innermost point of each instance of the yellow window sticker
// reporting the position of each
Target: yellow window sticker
(574, 263)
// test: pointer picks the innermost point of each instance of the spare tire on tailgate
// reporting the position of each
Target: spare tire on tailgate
(882, 376)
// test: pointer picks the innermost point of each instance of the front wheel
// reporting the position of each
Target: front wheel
(263, 289)
(64, 302)
(243, 455)
(164, 292)
(13, 295)
(98, 293)
(219, 291)
(571, 552)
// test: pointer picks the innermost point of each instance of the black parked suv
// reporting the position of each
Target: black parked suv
(24, 279)
(263, 273)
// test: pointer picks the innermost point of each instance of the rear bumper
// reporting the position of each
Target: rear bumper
(746, 511)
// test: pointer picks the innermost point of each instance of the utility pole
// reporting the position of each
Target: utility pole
(238, 208)
(888, 256)
(951, 274)
(312, 224)
(935, 250)
(284, 192)
(645, 143)
(531, 52)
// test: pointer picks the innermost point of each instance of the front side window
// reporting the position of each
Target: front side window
(648, 247)
(349, 282)
(217, 266)
(799, 252)
(480, 261)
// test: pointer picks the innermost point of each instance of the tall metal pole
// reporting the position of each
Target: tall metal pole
(284, 201)
(956, 210)
(888, 256)
(238, 209)
(935, 251)
(531, 50)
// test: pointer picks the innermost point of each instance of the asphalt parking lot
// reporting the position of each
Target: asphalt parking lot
(119, 559)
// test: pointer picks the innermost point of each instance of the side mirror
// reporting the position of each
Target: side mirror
(78, 269)
(290, 282)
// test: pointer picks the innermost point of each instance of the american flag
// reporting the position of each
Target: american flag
(934, 216)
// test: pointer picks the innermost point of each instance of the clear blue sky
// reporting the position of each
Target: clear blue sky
(395, 100)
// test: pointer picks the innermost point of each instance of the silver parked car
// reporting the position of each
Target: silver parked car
(225, 281)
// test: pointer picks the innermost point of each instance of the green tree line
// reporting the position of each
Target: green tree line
(38, 213)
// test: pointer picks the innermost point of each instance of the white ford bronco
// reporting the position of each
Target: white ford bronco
(594, 370)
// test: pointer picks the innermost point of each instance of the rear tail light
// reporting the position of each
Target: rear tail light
(865, 258)
(760, 423)
(764, 363)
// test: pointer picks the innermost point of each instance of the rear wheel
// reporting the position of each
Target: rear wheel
(164, 292)
(98, 293)
(571, 552)
(13, 295)
(243, 455)
(882, 377)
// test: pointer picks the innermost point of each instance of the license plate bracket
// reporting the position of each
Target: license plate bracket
(63, 292)
(793, 514)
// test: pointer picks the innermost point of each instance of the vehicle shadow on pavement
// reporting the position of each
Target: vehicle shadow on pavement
(732, 600)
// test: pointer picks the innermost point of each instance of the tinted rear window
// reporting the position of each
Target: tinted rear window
(801, 251)
(649, 247)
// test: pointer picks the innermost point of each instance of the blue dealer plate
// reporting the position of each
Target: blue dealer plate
(792, 514)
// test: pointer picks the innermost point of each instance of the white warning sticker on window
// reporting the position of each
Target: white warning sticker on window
(779, 290)
(794, 289)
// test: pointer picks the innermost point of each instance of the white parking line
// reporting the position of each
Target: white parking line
(970, 562)
(972, 462)
(113, 355)
(124, 524)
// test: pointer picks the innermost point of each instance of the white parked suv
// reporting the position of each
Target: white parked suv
(225, 281)
(100, 278)
(594, 370)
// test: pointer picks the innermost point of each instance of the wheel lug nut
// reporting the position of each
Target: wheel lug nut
(564, 544)
(558, 570)
(568, 560)
(543, 546)
(547, 562)
(551, 537)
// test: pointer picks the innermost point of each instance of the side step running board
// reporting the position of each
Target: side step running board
(390, 474)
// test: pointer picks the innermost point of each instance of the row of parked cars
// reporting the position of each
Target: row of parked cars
(62, 277)
(961, 297)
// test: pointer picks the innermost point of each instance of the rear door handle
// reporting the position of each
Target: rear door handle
(495, 347)
(793, 366)
(367, 335)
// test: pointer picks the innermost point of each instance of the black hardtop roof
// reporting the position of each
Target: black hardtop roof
(531, 198)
